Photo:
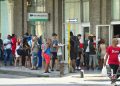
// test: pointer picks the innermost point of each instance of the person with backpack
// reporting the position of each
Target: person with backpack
(92, 54)
(73, 51)
(79, 59)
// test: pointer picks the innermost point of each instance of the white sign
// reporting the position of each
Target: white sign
(72, 20)
(38, 16)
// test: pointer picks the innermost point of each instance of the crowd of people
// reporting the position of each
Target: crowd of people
(30, 51)
(91, 57)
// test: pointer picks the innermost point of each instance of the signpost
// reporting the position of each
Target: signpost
(38, 17)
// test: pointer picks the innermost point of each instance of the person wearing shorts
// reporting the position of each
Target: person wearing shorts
(46, 55)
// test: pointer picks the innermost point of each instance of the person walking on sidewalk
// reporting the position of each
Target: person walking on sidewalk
(113, 52)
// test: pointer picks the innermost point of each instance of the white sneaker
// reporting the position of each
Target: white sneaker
(79, 68)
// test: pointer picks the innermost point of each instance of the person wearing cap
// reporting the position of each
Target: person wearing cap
(8, 50)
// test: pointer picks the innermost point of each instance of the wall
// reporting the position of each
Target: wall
(6, 19)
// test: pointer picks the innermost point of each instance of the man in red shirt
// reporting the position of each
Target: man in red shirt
(113, 52)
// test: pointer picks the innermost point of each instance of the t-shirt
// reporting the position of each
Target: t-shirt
(7, 44)
(113, 55)
(54, 43)
(47, 51)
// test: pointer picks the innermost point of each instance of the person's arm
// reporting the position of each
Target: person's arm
(105, 59)
(33, 44)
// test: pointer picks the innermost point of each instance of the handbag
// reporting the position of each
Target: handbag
(104, 71)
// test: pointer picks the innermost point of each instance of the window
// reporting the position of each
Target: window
(72, 10)
(85, 12)
(115, 9)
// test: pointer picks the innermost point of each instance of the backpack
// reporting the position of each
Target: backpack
(74, 42)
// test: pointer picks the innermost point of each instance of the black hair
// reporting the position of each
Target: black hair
(71, 33)
(54, 34)
(79, 35)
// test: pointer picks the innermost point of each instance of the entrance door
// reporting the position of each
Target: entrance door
(116, 30)
(103, 32)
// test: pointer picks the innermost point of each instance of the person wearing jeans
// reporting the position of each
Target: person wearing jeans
(8, 50)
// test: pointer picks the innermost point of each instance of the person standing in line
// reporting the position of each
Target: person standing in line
(18, 57)
(92, 54)
(26, 49)
(113, 61)
(46, 52)
(79, 60)
(34, 58)
(102, 50)
(54, 50)
(87, 52)
(40, 52)
(8, 50)
(14, 41)
(1, 48)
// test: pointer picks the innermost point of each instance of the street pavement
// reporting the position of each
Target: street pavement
(73, 79)
(91, 78)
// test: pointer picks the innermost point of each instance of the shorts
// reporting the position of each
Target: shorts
(54, 55)
(47, 58)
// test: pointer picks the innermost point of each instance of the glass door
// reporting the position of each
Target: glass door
(103, 32)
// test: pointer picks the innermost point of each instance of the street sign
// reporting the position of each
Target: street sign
(72, 20)
(37, 16)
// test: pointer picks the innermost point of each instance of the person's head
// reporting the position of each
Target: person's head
(115, 42)
(54, 35)
(79, 36)
(8, 37)
(102, 41)
(71, 33)
(13, 35)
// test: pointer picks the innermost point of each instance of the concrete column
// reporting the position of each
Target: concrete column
(18, 29)
(50, 23)
(94, 15)
(58, 18)
(25, 16)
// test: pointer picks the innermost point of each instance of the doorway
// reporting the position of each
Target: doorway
(116, 31)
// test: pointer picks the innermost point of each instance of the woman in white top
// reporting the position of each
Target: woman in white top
(18, 57)
(102, 50)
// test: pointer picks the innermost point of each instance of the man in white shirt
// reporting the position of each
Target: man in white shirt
(8, 50)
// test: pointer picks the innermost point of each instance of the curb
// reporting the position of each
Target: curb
(21, 73)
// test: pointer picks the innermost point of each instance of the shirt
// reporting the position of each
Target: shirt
(113, 55)
(7, 44)
(54, 43)
(88, 49)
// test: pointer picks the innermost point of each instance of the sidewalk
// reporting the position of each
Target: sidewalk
(22, 71)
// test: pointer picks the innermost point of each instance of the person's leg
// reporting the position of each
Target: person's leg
(5, 57)
(20, 61)
(114, 71)
(53, 61)
(87, 60)
(95, 61)
(90, 61)
(16, 59)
